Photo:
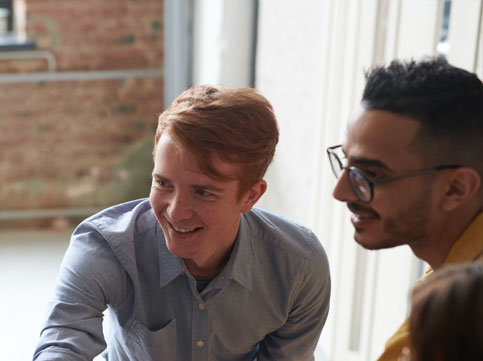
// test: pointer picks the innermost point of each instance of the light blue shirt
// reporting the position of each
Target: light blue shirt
(270, 302)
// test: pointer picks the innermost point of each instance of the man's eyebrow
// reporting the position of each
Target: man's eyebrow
(209, 187)
(369, 162)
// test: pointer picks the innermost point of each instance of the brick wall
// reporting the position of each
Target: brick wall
(98, 34)
(82, 143)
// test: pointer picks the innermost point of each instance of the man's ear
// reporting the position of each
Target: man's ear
(253, 195)
(462, 185)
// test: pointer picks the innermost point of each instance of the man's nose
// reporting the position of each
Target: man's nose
(180, 207)
(343, 191)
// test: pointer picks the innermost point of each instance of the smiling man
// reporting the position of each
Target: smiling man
(195, 272)
(410, 169)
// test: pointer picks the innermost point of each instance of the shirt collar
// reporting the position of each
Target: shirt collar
(469, 247)
(238, 268)
(240, 263)
(170, 266)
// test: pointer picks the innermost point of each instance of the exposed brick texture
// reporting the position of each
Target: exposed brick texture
(82, 143)
(71, 143)
(96, 35)
(23, 66)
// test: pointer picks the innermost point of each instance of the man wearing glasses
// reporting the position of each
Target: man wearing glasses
(410, 169)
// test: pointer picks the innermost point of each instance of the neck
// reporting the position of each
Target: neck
(208, 269)
(202, 272)
(442, 236)
(435, 257)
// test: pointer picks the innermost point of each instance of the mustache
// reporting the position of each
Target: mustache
(358, 208)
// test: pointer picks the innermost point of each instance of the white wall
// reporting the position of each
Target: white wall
(223, 33)
(289, 73)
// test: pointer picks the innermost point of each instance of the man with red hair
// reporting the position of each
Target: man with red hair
(195, 272)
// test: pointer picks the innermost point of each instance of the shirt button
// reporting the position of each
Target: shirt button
(201, 306)
(200, 344)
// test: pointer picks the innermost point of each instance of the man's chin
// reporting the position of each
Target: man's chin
(374, 243)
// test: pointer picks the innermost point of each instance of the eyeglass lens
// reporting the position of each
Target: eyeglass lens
(360, 185)
(335, 164)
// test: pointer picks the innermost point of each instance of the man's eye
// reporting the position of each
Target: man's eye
(162, 183)
(373, 175)
(203, 193)
(370, 173)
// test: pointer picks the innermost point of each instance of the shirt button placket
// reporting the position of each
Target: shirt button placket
(200, 331)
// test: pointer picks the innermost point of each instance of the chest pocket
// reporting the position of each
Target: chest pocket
(146, 345)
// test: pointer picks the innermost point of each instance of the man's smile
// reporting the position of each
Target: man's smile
(184, 229)
(361, 216)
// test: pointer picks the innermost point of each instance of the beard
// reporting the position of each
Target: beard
(407, 227)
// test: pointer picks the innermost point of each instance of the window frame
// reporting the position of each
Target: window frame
(8, 4)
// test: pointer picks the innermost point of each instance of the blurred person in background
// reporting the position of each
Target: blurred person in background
(410, 169)
(446, 320)
(195, 272)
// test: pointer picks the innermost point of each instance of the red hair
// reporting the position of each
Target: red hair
(237, 125)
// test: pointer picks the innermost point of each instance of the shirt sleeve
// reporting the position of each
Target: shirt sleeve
(90, 277)
(298, 338)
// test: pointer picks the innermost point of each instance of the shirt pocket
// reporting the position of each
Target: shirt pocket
(147, 345)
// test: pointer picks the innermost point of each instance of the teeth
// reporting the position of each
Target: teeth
(183, 230)
(360, 217)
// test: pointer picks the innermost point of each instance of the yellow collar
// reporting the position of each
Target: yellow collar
(469, 247)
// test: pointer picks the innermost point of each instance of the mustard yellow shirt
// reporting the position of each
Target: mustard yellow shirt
(469, 247)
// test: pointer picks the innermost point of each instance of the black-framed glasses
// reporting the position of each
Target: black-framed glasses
(362, 184)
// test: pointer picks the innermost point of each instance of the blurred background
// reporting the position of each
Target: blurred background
(83, 82)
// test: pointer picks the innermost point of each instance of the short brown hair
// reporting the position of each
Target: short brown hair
(236, 124)
(445, 323)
